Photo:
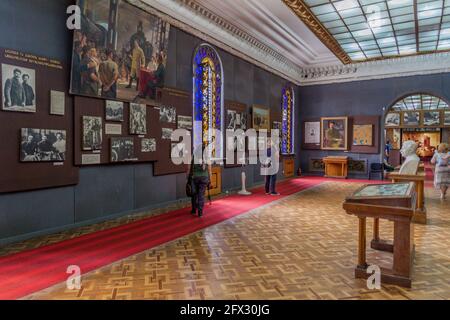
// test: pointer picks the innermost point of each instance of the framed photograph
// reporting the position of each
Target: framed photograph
(431, 118)
(393, 135)
(334, 133)
(392, 119)
(114, 111)
(148, 145)
(312, 133)
(236, 120)
(167, 133)
(363, 135)
(122, 149)
(139, 43)
(167, 114)
(19, 89)
(411, 118)
(446, 118)
(40, 145)
(261, 117)
(138, 118)
(92, 133)
(185, 122)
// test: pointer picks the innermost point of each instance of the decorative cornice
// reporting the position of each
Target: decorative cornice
(195, 19)
(379, 69)
(302, 11)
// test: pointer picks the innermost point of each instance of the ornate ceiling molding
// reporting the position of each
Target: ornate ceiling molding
(302, 11)
(195, 19)
(378, 69)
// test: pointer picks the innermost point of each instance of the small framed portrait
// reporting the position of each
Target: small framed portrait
(446, 118)
(19, 89)
(167, 114)
(334, 133)
(411, 118)
(185, 122)
(92, 133)
(122, 149)
(148, 145)
(138, 118)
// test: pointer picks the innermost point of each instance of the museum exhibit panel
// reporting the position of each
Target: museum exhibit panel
(203, 150)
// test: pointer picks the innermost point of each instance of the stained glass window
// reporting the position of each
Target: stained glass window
(208, 99)
(287, 136)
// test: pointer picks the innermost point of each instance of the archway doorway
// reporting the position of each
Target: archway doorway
(420, 117)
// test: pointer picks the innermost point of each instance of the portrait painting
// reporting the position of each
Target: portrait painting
(261, 118)
(312, 132)
(122, 149)
(138, 118)
(120, 52)
(92, 133)
(334, 133)
(392, 119)
(19, 89)
(431, 118)
(411, 118)
(40, 145)
(114, 110)
(394, 137)
(363, 135)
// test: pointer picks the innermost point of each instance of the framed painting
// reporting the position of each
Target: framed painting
(411, 118)
(334, 133)
(431, 118)
(261, 118)
(363, 135)
(393, 135)
(392, 119)
(446, 118)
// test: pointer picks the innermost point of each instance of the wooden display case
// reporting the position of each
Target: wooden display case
(336, 167)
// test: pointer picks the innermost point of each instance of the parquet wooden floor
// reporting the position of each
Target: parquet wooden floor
(301, 247)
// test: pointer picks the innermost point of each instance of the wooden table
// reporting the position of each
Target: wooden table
(336, 167)
(420, 215)
(394, 202)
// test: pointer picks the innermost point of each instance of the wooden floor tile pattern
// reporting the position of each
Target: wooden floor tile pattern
(302, 247)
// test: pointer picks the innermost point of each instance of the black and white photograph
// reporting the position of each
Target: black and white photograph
(122, 149)
(392, 119)
(92, 133)
(236, 120)
(148, 145)
(185, 122)
(19, 88)
(312, 132)
(114, 110)
(431, 118)
(138, 118)
(39, 145)
(447, 118)
(167, 114)
(167, 133)
(177, 150)
(411, 118)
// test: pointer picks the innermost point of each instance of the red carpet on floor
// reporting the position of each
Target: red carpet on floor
(33, 270)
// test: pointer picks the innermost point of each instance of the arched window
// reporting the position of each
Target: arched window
(287, 128)
(208, 99)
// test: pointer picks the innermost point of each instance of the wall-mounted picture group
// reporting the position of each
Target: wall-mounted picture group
(19, 89)
(425, 118)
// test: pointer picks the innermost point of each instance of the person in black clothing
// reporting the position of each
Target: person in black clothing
(28, 148)
(13, 92)
(28, 90)
(271, 179)
(76, 67)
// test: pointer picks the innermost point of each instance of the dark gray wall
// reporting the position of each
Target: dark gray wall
(372, 97)
(38, 26)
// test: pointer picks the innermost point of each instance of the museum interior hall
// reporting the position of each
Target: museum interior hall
(203, 150)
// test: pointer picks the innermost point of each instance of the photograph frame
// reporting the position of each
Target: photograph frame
(389, 119)
(18, 102)
(369, 127)
(138, 127)
(265, 114)
(406, 123)
(328, 120)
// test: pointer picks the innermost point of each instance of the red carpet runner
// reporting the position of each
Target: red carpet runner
(33, 270)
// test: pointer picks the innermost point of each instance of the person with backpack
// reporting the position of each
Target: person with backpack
(441, 160)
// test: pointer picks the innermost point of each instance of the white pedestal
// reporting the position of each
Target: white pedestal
(244, 191)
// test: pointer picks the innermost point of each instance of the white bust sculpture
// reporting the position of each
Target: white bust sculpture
(411, 164)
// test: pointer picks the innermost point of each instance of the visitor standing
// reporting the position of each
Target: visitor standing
(441, 160)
